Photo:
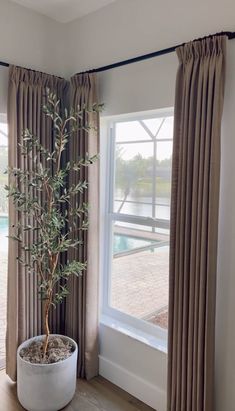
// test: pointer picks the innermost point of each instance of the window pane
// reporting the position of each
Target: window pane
(154, 124)
(130, 131)
(164, 154)
(166, 131)
(161, 128)
(139, 227)
(140, 267)
(163, 212)
(163, 190)
(133, 179)
(163, 172)
(3, 135)
(132, 208)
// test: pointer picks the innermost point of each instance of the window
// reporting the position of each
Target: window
(137, 216)
(3, 234)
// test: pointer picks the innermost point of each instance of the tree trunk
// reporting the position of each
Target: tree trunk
(46, 325)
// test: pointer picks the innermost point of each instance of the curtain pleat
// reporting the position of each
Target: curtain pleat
(82, 302)
(26, 95)
(194, 224)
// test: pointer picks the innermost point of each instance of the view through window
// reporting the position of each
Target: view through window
(139, 215)
(3, 237)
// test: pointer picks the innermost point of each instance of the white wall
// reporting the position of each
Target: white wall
(225, 324)
(30, 40)
(128, 28)
(147, 85)
(134, 366)
(133, 27)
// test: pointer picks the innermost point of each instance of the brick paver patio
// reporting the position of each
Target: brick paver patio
(140, 285)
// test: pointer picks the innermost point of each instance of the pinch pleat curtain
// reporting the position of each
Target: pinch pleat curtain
(194, 224)
(26, 95)
(82, 302)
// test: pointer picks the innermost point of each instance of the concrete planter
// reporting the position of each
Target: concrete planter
(46, 387)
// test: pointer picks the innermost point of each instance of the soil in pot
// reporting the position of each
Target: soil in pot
(59, 349)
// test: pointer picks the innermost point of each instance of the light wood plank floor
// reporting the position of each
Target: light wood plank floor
(96, 395)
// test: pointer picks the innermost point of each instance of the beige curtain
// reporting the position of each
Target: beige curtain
(82, 302)
(194, 224)
(26, 95)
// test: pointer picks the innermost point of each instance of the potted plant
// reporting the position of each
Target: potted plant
(47, 364)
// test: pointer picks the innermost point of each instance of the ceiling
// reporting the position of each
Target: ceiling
(64, 10)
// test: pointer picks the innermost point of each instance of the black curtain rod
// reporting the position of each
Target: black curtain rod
(4, 64)
(229, 34)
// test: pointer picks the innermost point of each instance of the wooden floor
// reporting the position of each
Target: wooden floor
(96, 395)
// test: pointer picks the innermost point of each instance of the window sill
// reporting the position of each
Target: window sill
(139, 335)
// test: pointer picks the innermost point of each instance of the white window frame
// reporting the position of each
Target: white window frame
(107, 196)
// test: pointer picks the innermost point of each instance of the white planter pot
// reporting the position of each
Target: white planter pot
(46, 387)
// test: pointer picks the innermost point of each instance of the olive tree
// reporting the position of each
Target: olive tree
(46, 206)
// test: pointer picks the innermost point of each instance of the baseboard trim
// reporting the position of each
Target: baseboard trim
(135, 385)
